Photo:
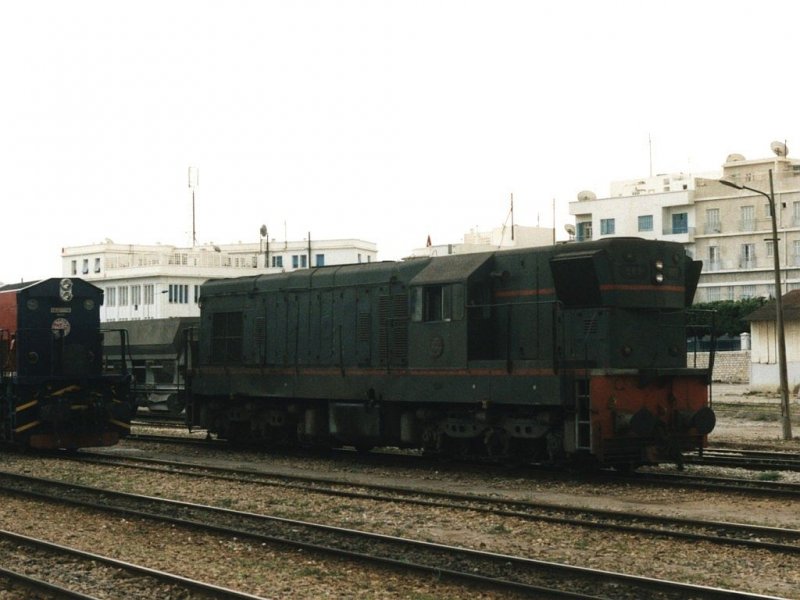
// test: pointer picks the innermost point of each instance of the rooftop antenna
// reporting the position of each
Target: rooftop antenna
(194, 181)
(650, 144)
(512, 216)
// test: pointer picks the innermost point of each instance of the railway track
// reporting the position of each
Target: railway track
(499, 571)
(768, 538)
(717, 484)
(746, 459)
(38, 565)
(710, 483)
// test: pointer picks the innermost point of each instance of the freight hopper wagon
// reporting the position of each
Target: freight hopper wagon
(570, 352)
(54, 392)
(157, 353)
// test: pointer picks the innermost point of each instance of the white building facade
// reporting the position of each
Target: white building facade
(657, 207)
(159, 281)
(728, 229)
(499, 238)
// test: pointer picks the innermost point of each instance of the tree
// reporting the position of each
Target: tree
(728, 315)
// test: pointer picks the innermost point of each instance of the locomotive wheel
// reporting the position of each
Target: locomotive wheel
(496, 442)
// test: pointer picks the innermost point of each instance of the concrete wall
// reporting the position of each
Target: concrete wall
(729, 367)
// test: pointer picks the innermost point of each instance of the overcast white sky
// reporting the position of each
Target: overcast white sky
(385, 121)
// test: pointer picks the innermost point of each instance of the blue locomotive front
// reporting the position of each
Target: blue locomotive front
(54, 389)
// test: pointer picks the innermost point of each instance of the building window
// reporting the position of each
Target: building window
(646, 223)
(303, 261)
(111, 296)
(713, 258)
(606, 226)
(680, 223)
(713, 294)
(295, 261)
(277, 261)
(712, 221)
(796, 214)
(748, 256)
(770, 248)
(96, 265)
(359, 258)
(178, 293)
(85, 266)
(748, 291)
(149, 295)
(748, 220)
(319, 260)
(123, 295)
(196, 294)
(585, 231)
(136, 295)
(74, 267)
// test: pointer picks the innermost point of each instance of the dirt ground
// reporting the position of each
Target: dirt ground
(761, 426)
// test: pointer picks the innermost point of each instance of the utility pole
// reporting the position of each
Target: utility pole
(786, 421)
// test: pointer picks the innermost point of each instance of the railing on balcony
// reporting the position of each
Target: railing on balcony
(747, 225)
(680, 230)
(713, 227)
(748, 263)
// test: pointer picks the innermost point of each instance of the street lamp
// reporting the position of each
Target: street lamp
(784, 379)
(264, 236)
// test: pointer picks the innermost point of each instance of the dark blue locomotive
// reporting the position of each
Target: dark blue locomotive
(564, 352)
(54, 391)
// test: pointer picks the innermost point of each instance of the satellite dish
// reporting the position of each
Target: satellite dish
(263, 231)
(570, 229)
(734, 158)
(586, 195)
(779, 148)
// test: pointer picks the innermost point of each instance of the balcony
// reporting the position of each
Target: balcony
(747, 225)
(712, 227)
(682, 233)
(748, 263)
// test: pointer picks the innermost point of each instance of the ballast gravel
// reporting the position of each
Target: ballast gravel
(277, 572)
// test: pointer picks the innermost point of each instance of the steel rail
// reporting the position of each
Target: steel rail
(737, 534)
(505, 571)
(214, 591)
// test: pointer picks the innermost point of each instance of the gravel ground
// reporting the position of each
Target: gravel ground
(276, 572)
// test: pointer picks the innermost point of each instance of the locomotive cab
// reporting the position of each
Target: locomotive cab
(54, 390)
(622, 349)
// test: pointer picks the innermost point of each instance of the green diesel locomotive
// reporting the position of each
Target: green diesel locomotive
(567, 352)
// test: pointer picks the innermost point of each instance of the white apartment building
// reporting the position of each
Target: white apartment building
(158, 281)
(727, 229)
(657, 207)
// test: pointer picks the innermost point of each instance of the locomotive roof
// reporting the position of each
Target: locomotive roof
(49, 283)
(319, 277)
(17, 286)
(449, 269)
